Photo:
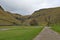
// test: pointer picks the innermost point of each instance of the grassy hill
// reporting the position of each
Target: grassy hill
(7, 18)
(47, 16)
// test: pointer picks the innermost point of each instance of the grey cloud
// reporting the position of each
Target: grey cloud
(27, 6)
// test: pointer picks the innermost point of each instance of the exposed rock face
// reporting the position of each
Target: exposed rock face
(1, 8)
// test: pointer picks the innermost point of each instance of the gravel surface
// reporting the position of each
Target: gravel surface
(47, 34)
(4, 29)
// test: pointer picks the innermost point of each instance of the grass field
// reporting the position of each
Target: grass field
(19, 33)
(56, 28)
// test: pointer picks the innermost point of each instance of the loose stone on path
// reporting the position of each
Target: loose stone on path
(47, 34)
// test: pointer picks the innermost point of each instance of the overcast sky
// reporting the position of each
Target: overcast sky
(26, 7)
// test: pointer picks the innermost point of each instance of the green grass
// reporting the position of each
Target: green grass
(56, 28)
(19, 33)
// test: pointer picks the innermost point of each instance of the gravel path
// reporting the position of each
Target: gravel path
(4, 29)
(47, 34)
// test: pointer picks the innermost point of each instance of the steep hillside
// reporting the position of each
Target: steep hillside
(47, 16)
(6, 18)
